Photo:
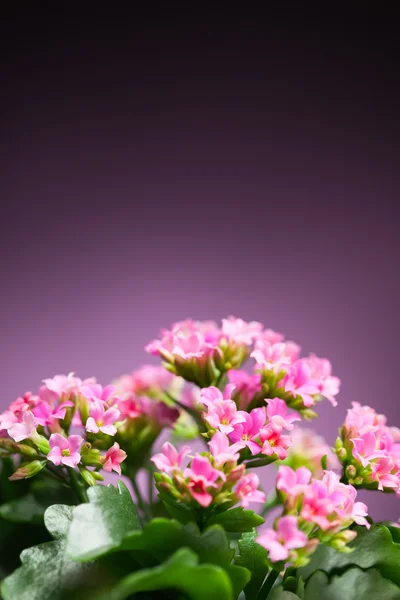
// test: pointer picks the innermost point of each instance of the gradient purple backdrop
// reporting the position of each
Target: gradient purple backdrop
(151, 174)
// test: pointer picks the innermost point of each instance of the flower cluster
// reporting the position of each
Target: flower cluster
(42, 422)
(211, 477)
(369, 449)
(314, 511)
(202, 351)
(260, 430)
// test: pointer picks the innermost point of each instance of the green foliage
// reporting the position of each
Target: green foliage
(355, 583)
(101, 525)
(253, 557)
(236, 520)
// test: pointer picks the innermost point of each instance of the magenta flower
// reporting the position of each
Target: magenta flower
(65, 451)
(286, 537)
(202, 476)
(24, 429)
(45, 414)
(101, 419)
(113, 459)
(277, 413)
(273, 441)
(131, 407)
(249, 429)
(291, 482)
(298, 382)
(169, 459)
(247, 490)
(222, 451)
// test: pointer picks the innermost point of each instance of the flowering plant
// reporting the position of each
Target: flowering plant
(189, 438)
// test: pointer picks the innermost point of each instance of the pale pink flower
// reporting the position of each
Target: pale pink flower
(274, 442)
(318, 505)
(249, 429)
(7, 419)
(363, 419)
(211, 395)
(343, 496)
(270, 336)
(62, 387)
(96, 393)
(222, 451)
(65, 451)
(202, 476)
(25, 429)
(293, 482)
(246, 386)
(113, 459)
(365, 448)
(186, 339)
(101, 419)
(241, 332)
(277, 413)
(321, 370)
(169, 459)
(286, 537)
(386, 472)
(298, 382)
(24, 403)
(272, 357)
(247, 490)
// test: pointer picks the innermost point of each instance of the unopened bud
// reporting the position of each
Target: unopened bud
(235, 474)
(358, 481)
(97, 476)
(87, 476)
(41, 442)
(29, 470)
(92, 458)
(338, 443)
(13, 448)
(342, 454)
(351, 472)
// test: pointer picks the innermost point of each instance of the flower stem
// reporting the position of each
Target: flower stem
(267, 585)
(77, 486)
(139, 498)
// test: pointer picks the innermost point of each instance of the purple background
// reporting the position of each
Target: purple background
(152, 173)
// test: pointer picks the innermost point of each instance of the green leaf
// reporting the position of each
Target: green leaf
(354, 583)
(180, 573)
(162, 537)
(279, 593)
(101, 526)
(46, 573)
(373, 548)
(236, 520)
(254, 558)
(178, 510)
(23, 510)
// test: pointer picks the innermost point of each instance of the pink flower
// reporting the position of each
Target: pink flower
(25, 429)
(97, 394)
(249, 429)
(222, 413)
(62, 387)
(161, 414)
(222, 451)
(365, 448)
(321, 370)
(318, 505)
(186, 339)
(298, 382)
(113, 459)
(386, 472)
(246, 386)
(277, 413)
(247, 490)
(273, 441)
(202, 476)
(241, 332)
(169, 459)
(291, 482)
(286, 537)
(131, 407)
(101, 419)
(272, 357)
(45, 414)
(270, 336)
(65, 451)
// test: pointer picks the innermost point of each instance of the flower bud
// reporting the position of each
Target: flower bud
(13, 448)
(41, 442)
(29, 470)
(342, 454)
(351, 472)
(87, 476)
